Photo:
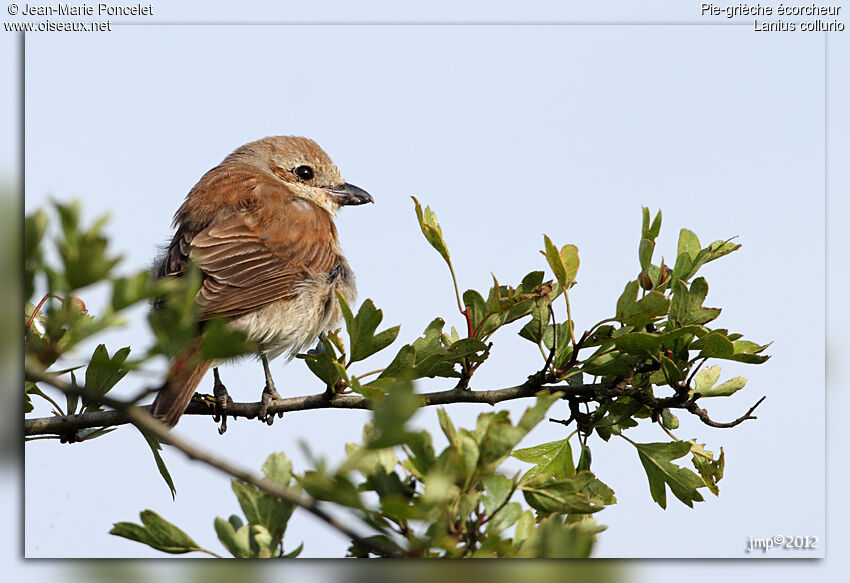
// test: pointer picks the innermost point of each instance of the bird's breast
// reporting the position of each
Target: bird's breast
(292, 325)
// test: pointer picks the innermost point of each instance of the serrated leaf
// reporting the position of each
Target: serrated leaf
(686, 306)
(83, 252)
(428, 357)
(639, 313)
(261, 508)
(565, 495)
(431, 229)
(554, 459)
(278, 469)
(564, 263)
(713, 345)
(323, 364)
(156, 532)
(656, 460)
(362, 330)
(103, 372)
(709, 469)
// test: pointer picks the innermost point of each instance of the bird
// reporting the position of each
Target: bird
(260, 227)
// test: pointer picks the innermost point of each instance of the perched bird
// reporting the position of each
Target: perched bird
(260, 226)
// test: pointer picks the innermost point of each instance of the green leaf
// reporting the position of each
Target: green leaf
(278, 469)
(578, 494)
(609, 364)
(324, 364)
(524, 527)
(127, 291)
(156, 532)
(647, 231)
(584, 459)
(361, 330)
(392, 413)
(553, 459)
(293, 554)
(647, 246)
(713, 345)
(237, 540)
(498, 437)
(497, 490)
(504, 518)
(261, 508)
(477, 307)
(730, 387)
(431, 229)
(709, 469)
(564, 263)
(83, 252)
(748, 352)
(673, 374)
(669, 420)
(639, 313)
(656, 459)
(688, 244)
(337, 489)
(103, 372)
(160, 464)
(705, 379)
(428, 357)
(557, 540)
(686, 306)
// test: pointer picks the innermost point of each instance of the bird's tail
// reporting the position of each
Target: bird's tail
(185, 375)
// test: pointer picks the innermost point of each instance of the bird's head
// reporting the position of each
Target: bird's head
(305, 169)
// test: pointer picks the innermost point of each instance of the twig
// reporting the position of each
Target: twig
(141, 419)
(692, 407)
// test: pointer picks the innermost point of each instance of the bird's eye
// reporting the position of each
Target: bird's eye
(304, 173)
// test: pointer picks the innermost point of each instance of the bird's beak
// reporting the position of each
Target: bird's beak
(348, 194)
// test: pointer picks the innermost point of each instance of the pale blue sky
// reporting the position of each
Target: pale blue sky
(508, 132)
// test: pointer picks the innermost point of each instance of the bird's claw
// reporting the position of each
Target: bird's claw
(221, 400)
(269, 394)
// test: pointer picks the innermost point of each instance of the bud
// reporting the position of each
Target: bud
(79, 304)
(665, 274)
(644, 281)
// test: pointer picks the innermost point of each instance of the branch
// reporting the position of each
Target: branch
(69, 424)
(139, 417)
(703, 415)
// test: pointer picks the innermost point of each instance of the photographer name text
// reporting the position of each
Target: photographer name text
(100, 10)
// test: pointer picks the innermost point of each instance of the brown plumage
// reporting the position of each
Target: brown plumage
(260, 227)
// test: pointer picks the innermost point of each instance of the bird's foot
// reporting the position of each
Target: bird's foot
(269, 394)
(221, 400)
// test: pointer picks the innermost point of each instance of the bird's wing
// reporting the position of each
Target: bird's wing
(257, 256)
